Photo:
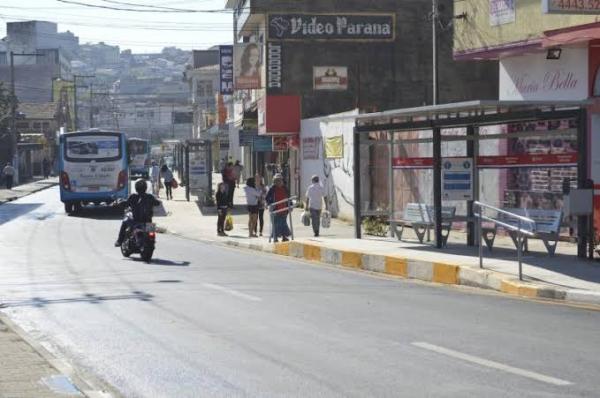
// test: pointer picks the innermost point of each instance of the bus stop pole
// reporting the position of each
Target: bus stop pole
(357, 199)
(582, 146)
(437, 185)
(471, 232)
(186, 168)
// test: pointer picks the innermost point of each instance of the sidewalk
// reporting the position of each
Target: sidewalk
(26, 189)
(561, 277)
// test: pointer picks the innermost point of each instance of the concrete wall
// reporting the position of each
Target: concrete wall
(337, 175)
(475, 32)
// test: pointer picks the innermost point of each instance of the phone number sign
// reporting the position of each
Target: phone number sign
(571, 6)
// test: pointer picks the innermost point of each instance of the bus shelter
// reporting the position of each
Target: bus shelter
(520, 155)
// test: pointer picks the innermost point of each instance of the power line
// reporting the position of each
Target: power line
(179, 11)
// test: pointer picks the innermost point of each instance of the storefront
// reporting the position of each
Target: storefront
(520, 154)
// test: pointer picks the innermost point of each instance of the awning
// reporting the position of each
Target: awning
(571, 35)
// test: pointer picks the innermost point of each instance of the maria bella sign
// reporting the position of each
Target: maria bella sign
(274, 76)
(366, 27)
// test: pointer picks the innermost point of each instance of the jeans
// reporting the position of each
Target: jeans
(230, 191)
(169, 189)
(261, 220)
(221, 220)
(280, 227)
(9, 181)
(315, 220)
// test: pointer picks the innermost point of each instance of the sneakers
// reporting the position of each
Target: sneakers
(117, 244)
(222, 234)
(285, 239)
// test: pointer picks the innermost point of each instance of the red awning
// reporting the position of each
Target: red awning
(572, 35)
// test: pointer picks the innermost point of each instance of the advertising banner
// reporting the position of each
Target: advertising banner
(226, 70)
(571, 7)
(262, 144)
(247, 66)
(311, 148)
(281, 143)
(274, 68)
(347, 27)
(330, 77)
(502, 12)
(334, 147)
(457, 179)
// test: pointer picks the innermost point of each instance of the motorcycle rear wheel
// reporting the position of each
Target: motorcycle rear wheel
(146, 253)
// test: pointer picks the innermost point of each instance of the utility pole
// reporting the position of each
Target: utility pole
(75, 77)
(173, 120)
(434, 22)
(91, 105)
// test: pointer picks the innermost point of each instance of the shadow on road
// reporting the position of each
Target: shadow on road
(10, 211)
(91, 298)
(160, 261)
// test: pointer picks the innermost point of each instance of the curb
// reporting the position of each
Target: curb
(87, 385)
(435, 272)
(38, 189)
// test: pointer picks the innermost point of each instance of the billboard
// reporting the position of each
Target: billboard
(63, 94)
(247, 66)
(571, 7)
(330, 78)
(226, 70)
(274, 68)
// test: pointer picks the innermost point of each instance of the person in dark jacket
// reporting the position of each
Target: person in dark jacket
(278, 193)
(142, 208)
(222, 208)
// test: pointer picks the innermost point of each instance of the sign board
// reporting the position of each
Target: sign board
(262, 144)
(226, 70)
(247, 66)
(528, 160)
(199, 167)
(502, 12)
(274, 68)
(532, 77)
(281, 143)
(571, 7)
(330, 78)
(347, 27)
(311, 148)
(334, 147)
(457, 179)
(412, 163)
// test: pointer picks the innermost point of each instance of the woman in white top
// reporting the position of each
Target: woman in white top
(252, 198)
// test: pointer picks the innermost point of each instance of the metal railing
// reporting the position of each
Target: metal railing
(289, 209)
(518, 229)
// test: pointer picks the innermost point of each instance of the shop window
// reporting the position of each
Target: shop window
(37, 125)
(22, 125)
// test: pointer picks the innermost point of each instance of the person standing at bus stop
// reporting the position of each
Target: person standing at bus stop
(279, 194)
(9, 174)
(155, 178)
(167, 177)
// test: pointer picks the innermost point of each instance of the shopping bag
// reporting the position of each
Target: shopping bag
(174, 184)
(228, 222)
(325, 219)
(305, 218)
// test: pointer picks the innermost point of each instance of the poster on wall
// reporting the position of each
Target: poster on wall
(247, 66)
(226, 70)
(457, 179)
(334, 147)
(502, 12)
(311, 148)
(330, 78)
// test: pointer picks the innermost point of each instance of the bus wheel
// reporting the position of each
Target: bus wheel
(68, 207)
(77, 207)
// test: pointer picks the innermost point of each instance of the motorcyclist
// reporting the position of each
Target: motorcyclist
(142, 209)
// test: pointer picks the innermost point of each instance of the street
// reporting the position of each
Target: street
(204, 320)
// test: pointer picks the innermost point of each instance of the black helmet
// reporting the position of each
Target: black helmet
(140, 186)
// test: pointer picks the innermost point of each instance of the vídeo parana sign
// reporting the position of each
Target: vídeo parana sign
(364, 27)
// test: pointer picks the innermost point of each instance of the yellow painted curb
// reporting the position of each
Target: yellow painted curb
(518, 289)
(445, 273)
(351, 259)
(312, 252)
(282, 248)
(396, 266)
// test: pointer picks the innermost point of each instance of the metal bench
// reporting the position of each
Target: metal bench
(546, 227)
(420, 218)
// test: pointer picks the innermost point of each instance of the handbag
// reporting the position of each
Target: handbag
(228, 222)
(174, 184)
(305, 218)
(325, 219)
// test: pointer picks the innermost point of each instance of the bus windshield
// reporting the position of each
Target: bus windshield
(138, 147)
(98, 147)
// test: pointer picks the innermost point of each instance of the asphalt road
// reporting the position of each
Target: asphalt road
(205, 321)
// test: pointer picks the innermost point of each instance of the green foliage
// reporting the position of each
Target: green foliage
(376, 226)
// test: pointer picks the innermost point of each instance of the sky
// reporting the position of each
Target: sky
(142, 32)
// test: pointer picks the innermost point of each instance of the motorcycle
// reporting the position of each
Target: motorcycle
(139, 238)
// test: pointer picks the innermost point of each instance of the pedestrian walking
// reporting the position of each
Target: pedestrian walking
(260, 186)
(252, 198)
(9, 174)
(155, 178)
(279, 193)
(222, 208)
(237, 172)
(314, 203)
(46, 168)
(167, 176)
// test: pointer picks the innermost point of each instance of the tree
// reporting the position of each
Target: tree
(6, 103)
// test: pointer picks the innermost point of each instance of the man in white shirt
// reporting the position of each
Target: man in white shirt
(314, 202)
(154, 178)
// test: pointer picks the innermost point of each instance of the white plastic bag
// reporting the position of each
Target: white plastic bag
(325, 219)
(305, 218)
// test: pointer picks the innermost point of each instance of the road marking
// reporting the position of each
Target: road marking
(492, 364)
(232, 292)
